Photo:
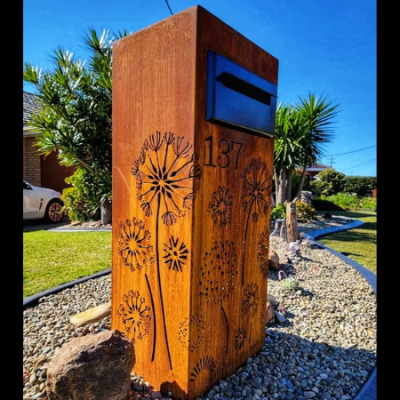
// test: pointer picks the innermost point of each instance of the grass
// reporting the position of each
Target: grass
(358, 244)
(53, 258)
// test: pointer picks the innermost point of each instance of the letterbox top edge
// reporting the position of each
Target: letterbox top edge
(194, 10)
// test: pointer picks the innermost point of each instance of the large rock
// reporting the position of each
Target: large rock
(93, 367)
(273, 259)
(270, 313)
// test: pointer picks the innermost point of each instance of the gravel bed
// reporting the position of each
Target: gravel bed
(324, 349)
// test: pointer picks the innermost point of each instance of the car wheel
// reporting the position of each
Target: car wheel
(54, 211)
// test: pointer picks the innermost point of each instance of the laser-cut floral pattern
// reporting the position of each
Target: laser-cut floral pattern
(135, 315)
(133, 244)
(220, 206)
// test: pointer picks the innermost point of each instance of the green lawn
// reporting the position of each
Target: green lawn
(358, 244)
(52, 258)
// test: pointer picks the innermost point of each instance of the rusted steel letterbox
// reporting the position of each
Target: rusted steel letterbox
(193, 119)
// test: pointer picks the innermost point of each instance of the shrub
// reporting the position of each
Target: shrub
(368, 203)
(325, 205)
(328, 182)
(345, 200)
(82, 199)
(305, 212)
(279, 212)
(360, 185)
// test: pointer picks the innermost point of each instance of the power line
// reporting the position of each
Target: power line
(354, 151)
(359, 165)
(169, 7)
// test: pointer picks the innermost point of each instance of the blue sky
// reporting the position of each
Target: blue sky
(326, 47)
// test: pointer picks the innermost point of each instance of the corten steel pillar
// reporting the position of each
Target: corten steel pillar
(193, 118)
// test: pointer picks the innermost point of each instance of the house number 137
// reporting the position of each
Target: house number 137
(224, 150)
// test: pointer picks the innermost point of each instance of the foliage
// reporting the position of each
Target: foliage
(289, 128)
(75, 118)
(81, 200)
(300, 133)
(325, 205)
(360, 185)
(329, 182)
(368, 203)
(305, 212)
(318, 114)
(51, 258)
(279, 212)
(291, 283)
(360, 244)
(344, 200)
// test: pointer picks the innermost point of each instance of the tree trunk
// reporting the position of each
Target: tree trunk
(281, 192)
(303, 178)
(289, 186)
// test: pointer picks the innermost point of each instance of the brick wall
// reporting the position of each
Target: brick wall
(31, 161)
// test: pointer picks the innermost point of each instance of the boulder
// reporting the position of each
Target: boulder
(270, 313)
(274, 259)
(93, 367)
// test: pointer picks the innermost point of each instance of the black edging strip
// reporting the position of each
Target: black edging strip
(33, 300)
(369, 389)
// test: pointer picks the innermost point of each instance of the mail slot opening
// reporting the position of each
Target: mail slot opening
(247, 89)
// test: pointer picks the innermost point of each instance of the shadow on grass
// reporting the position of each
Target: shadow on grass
(355, 235)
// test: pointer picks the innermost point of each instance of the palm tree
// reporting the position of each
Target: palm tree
(289, 131)
(318, 115)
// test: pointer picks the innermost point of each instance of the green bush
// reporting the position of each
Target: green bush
(82, 199)
(345, 200)
(305, 212)
(360, 185)
(325, 205)
(328, 182)
(368, 203)
(279, 212)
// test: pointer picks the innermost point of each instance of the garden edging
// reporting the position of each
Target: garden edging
(33, 300)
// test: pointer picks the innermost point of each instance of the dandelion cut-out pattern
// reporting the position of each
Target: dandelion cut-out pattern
(195, 327)
(250, 299)
(218, 272)
(135, 315)
(263, 253)
(167, 176)
(165, 172)
(239, 338)
(176, 254)
(256, 188)
(133, 244)
(256, 194)
(220, 206)
(207, 363)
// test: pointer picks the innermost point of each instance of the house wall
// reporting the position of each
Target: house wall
(53, 174)
(31, 162)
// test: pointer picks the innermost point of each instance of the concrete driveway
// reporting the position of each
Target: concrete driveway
(41, 225)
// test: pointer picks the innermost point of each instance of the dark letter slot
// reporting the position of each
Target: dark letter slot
(247, 89)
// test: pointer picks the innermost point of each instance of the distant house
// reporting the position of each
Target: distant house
(316, 168)
(37, 169)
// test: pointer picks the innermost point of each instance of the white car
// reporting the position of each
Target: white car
(42, 203)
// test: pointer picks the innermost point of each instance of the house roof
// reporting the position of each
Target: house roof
(30, 105)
